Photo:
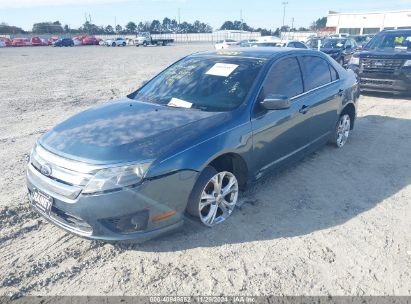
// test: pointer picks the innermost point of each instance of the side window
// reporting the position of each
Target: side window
(291, 44)
(316, 72)
(284, 78)
(334, 74)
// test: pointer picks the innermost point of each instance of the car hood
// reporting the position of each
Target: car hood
(384, 53)
(126, 131)
(330, 50)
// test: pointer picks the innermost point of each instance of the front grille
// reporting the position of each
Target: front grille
(377, 82)
(380, 65)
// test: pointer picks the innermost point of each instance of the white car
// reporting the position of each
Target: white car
(226, 43)
(116, 42)
(293, 44)
(2, 44)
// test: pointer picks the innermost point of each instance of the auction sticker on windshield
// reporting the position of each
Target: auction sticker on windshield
(222, 69)
(179, 103)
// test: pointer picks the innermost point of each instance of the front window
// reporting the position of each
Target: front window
(390, 41)
(334, 43)
(205, 83)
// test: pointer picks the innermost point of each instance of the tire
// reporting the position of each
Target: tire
(341, 131)
(145, 44)
(208, 203)
(124, 44)
(113, 44)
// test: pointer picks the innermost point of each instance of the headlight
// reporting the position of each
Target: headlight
(115, 178)
(355, 60)
(407, 63)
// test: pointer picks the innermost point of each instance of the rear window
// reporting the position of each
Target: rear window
(316, 72)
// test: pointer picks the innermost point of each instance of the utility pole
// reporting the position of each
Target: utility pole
(284, 5)
(292, 23)
(179, 19)
(241, 19)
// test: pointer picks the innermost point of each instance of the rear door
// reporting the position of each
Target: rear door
(322, 88)
(280, 135)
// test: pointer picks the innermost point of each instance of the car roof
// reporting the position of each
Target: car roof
(405, 31)
(252, 52)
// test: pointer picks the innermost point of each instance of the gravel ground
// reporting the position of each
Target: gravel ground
(337, 223)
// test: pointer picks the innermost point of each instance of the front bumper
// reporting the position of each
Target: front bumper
(399, 82)
(122, 215)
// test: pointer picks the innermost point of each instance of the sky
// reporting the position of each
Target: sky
(257, 13)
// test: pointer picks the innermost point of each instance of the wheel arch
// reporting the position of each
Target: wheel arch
(351, 111)
(234, 163)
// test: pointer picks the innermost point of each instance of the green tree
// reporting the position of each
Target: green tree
(131, 27)
(109, 30)
(119, 29)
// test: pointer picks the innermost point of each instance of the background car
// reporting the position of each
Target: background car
(36, 41)
(361, 40)
(116, 42)
(2, 44)
(226, 43)
(64, 42)
(77, 41)
(384, 63)
(53, 39)
(20, 42)
(340, 49)
(314, 43)
(89, 40)
(6, 41)
(247, 42)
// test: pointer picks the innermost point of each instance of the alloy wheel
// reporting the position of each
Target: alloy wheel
(343, 130)
(218, 198)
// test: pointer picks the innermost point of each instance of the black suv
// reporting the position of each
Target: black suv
(384, 64)
(340, 49)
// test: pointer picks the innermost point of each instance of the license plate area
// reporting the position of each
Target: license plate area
(41, 200)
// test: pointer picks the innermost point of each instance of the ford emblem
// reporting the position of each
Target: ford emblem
(45, 170)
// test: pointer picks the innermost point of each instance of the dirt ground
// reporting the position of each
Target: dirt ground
(337, 223)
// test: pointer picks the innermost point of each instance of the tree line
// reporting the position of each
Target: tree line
(167, 25)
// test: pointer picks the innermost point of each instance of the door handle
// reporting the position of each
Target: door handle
(304, 109)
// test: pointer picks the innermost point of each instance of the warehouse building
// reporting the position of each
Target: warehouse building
(368, 23)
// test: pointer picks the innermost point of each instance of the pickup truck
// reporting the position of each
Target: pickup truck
(384, 63)
(145, 39)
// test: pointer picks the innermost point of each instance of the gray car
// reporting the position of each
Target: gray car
(187, 142)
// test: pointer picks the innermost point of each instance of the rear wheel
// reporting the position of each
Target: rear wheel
(342, 131)
(214, 196)
(124, 44)
(113, 44)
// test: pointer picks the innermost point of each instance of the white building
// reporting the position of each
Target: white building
(368, 23)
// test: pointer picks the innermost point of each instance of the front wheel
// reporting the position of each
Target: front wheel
(124, 44)
(214, 196)
(342, 131)
(113, 44)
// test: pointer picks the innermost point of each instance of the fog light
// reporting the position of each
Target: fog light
(128, 223)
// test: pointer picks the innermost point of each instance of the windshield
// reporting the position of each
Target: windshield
(390, 41)
(205, 83)
(333, 43)
(313, 43)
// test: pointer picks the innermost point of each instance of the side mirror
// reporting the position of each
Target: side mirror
(275, 102)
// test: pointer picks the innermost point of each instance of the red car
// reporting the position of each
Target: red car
(53, 39)
(88, 40)
(7, 41)
(20, 42)
(36, 41)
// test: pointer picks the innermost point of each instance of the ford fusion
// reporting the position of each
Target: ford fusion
(187, 142)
